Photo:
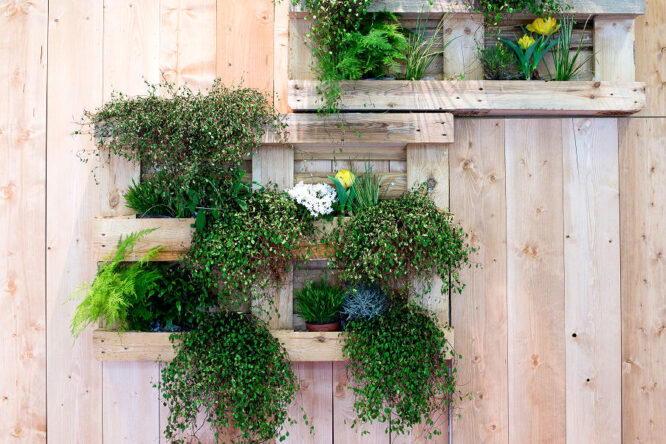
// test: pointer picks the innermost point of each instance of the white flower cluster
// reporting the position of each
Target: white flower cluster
(317, 198)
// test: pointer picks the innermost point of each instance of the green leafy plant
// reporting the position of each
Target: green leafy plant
(234, 371)
(319, 303)
(499, 62)
(398, 369)
(178, 131)
(246, 250)
(398, 241)
(495, 11)
(344, 182)
(366, 189)
(116, 287)
(420, 51)
(567, 67)
(364, 302)
(529, 52)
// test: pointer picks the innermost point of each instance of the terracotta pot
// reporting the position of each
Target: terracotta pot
(333, 326)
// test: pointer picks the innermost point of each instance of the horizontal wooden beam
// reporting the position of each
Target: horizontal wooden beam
(173, 234)
(367, 129)
(479, 97)
(146, 346)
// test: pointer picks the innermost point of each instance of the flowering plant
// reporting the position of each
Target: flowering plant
(529, 51)
(317, 198)
(344, 181)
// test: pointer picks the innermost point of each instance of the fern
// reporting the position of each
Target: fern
(115, 287)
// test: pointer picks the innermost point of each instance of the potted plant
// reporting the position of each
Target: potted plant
(320, 304)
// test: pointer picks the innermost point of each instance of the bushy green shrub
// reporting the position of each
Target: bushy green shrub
(319, 303)
(499, 63)
(235, 371)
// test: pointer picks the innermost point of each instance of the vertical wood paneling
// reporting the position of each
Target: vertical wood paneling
(74, 377)
(23, 50)
(315, 399)
(461, 56)
(650, 61)
(479, 314)
(614, 49)
(245, 44)
(643, 278)
(592, 280)
(187, 41)
(535, 281)
(281, 57)
(343, 413)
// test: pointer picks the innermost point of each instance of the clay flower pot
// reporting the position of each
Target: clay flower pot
(333, 326)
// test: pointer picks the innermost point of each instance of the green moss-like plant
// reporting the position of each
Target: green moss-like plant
(319, 303)
(234, 371)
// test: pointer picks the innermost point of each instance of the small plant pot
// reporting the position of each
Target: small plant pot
(333, 326)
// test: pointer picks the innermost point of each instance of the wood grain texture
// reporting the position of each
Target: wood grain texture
(301, 59)
(173, 234)
(478, 201)
(346, 152)
(245, 44)
(535, 281)
(592, 280)
(23, 73)
(314, 399)
(187, 42)
(610, 7)
(74, 378)
(344, 415)
(650, 61)
(465, 33)
(614, 49)
(281, 57)
(479, 97)
(131, 403)
(643, 278)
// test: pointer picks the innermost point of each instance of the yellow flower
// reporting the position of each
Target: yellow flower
(544, 26)
(346, 178)
(526, 41)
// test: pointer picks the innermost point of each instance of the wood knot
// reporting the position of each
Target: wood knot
(431, 183)
(531, 250)
(7, 191)
(535, 360)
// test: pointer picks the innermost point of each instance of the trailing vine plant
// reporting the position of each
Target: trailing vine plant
(495, 11)
(237, 373)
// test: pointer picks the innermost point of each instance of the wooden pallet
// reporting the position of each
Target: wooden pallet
(111, 345)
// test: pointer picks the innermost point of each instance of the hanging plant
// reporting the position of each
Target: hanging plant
(398, 369)
(234, 371)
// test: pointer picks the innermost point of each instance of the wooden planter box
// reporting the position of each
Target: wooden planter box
(140, 346)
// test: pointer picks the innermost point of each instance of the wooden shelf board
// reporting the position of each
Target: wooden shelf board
(479, 97)
(146, 346)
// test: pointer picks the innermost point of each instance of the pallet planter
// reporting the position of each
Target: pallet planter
(612, 91)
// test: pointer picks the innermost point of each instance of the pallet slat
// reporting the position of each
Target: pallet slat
(479, 97)
(145, 346)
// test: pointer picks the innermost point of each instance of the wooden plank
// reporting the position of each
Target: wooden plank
(592, 280)
(131, 403)
(611, 7)
(187, 42)
(465, 32)
(314, 399)
(479, 97)
(22, 221)
(281, 57)
(650, 60)
(535, 281)
(367, 129)
(347, 152)
(397, 181)
(343, 413)
(146, 346)
(301, 59)
(614, 49)
(245, 43)
(174, 234)
(643, 278)
(74, 379)
(478, 200)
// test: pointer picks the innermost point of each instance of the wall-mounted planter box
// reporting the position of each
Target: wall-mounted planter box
(145, 346)
(478, 97)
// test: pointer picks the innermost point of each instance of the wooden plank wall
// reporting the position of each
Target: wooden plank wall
(561, 329)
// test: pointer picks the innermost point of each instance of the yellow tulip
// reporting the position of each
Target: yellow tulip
(346, 178)
(544, 26)
(526, 41)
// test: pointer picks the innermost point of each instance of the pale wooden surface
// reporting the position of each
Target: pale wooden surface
(511, 97)
(643, 278)
(592, 280)
(173, 234)
(314, 400)
(614, 49)
(22, 222)
(73, 378)
(345, 151)
(478, 200)
(650, 61)
(629, 7)
(187, 42)
(461, 56)
(535, 281)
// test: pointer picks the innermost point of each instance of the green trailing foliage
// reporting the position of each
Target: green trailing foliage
(399, 241)
(234, 371)
(247, 250)
(364, 302)
(319, 303)
(499, 62)
(116, 287)
(495, 11)
(398, 369)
